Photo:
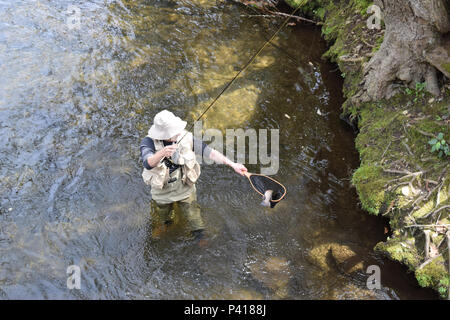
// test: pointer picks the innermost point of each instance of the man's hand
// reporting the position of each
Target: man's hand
(165, 152)
(169, 150)
(239, 168)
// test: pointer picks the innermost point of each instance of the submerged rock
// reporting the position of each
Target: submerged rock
(274, 274)
(330, 255)
(318, 257)
(346, 259)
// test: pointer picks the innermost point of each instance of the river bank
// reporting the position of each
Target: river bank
(399, 177)
(401, 141)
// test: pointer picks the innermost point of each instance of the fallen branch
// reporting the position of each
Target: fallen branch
(439, 217)
(436, 211)
(282, 14)
(397, 185)
(274, 15)
(370, 45)
(427, 243)
(382, 156)
(424, 133)
(439, 193)
(358, 59)
(438, 186)
(427, 225)
(408, 173)
(391, 206)
(420, 198)
(407, 148)
(428, 261)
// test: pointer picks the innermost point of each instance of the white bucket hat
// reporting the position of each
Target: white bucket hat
(166, 125)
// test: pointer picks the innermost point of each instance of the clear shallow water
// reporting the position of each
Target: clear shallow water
(74, 105)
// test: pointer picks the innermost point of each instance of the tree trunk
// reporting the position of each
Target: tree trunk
(412, 27)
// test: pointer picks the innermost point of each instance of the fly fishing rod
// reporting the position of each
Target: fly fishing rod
(242, 70)
(271, 190)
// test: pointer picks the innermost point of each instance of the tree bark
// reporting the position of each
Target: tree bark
(412, 27)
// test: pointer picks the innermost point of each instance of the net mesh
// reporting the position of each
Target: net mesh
(263, 183)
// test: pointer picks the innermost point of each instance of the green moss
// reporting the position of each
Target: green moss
(361, 5)
(434, 274)
(369, 186)
(401, 249)
(377, 126)
(378, 43)
(319, 13)
(446, 66)
(329, 31)
(424, 209)
(296, 3)
(444, 286)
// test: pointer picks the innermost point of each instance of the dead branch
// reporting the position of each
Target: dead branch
(282, 14)
(421, 198)
(358, 59)
(427, 244)
(424, 133)
(370, 45)
(428, 261)
(397, 171)
(382, 156)
(407, 148)
(432, 190)
(439, 193)
(428, 226)
(442, 176)
(407, 175)
(436, 211)
(439, 217)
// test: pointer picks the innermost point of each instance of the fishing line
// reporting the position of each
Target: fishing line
(242, 70)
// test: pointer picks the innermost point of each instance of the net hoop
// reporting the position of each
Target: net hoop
(249, 174)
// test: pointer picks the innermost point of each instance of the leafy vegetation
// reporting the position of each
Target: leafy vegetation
(444, 284)
(418, 92)
(439, 145)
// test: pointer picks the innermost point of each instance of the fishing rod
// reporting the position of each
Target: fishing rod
(271, 190)
(242, 70)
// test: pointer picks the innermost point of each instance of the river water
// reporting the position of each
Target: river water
(80, 83)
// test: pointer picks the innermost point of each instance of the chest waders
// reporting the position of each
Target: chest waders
(175, 197)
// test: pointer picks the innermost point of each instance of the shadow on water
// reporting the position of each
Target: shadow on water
(74, 106)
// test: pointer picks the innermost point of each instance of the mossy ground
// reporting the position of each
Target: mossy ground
(401, 178)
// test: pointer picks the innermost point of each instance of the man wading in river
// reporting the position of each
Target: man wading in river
(172, 169)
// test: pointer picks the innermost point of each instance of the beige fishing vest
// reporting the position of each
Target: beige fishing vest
(158, 176)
